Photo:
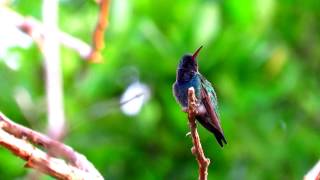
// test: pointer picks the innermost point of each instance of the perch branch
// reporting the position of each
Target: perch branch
(197, 150)
(98, 34)
(19, 140)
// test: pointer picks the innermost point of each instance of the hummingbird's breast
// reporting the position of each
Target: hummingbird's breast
(181, 89)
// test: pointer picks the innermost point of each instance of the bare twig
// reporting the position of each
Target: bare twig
(98, 34)
(131, 99)
(197, 150)
(35, 29)
(18, 140)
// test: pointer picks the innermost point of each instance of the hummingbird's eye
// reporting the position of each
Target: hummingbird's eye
(188, 63)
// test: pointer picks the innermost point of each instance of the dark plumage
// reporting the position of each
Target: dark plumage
(189, 76)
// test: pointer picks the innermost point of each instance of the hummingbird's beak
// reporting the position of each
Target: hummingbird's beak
(195, 54)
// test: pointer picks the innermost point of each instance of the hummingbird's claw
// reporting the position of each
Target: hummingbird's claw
(202, 109)
(188, 134)
(193, 150)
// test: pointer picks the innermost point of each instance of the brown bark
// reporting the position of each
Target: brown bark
(197, 150)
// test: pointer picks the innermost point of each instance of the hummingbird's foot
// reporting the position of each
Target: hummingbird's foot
(188, 134)
(193, 150)
(202, 109)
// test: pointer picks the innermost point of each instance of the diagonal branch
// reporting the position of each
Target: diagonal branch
(197, 150)
(19, 139)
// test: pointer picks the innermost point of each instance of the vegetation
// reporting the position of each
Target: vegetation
(261, 56)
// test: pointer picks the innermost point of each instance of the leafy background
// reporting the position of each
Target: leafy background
(261, 56)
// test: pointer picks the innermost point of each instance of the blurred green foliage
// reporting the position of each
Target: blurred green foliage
(263, 58)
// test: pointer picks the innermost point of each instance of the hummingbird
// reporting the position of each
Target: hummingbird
(187, 76)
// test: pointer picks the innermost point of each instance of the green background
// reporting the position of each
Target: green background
(263, 58)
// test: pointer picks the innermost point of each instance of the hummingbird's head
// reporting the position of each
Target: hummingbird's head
(189, 62)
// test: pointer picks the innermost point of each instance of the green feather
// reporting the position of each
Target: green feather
(209, 88)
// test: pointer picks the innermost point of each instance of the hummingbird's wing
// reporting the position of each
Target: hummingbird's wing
(210, 119)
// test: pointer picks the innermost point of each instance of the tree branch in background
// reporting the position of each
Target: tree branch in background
(20, 140)
(35, 30)
(98, 34)
(51, 53)
(314, 173)
(197, 150)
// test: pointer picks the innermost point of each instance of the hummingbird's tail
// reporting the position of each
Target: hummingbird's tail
(220, 137)
(205, 122)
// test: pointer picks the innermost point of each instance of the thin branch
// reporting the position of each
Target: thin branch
(197, 150)
(98, 34)
(19, 140)
(35, 30)
(131, 99)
